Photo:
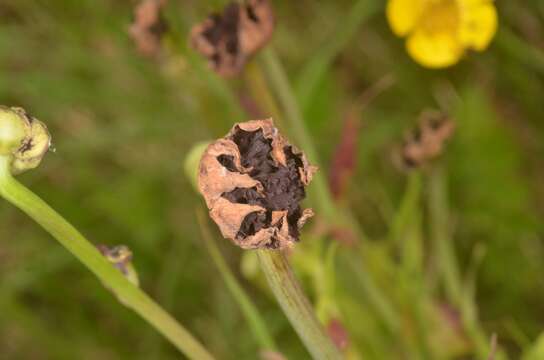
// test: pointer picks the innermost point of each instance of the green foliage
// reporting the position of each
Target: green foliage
(123, 126)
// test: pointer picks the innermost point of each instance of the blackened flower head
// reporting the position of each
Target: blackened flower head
(253, 181)
(229, 39)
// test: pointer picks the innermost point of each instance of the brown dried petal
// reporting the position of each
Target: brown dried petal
(256, 25)
(253, 181)
(229, 216)
(229, 39)
(307, 171)
(224, 179)
(306, 214)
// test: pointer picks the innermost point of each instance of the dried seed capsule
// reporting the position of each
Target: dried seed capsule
(253, 181)
(229, 39)
(427, 141)
(120, 256)
(23, 137)
(148, 27)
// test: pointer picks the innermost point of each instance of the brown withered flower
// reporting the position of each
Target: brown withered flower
(427, 141)
(253, 181)
(148, 27)
(229, 39)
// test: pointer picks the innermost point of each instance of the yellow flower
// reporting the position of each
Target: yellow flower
(440, 31)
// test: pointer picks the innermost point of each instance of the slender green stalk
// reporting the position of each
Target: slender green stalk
(249, 310)
(320, 62)
(262, 96)
(82, 249)
(405, 229)
(380, 303)
(279, 82)
(446, 258)
(334, 215)
(443, 246)
(295, 305)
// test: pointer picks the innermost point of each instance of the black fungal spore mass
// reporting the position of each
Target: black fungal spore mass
(283, 188)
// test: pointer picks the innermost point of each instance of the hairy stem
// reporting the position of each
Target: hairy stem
(295, 305)
(84, 251)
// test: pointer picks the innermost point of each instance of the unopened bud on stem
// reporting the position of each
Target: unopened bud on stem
(22, 137)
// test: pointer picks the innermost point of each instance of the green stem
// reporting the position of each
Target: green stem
(295, 305)
(324, 203)
(448, 267)
(81, 248)
(262, 96)
(405, 230)
(279, 82)
(250, 312)
(380, 304)
(337, 217)
(443, 245)
(320, 62)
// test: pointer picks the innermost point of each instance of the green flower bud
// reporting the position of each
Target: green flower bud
(192, 160)
(12, 131)
(22, 137)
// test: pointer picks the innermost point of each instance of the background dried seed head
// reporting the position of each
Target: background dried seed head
(229, 39)
(253, 181)
(427, 141)
(148, 27)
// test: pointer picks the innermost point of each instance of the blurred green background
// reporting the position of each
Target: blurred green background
(122, 125)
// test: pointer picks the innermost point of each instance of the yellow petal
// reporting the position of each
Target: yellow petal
(472, 3)
(434, 50)
(478, 25)
(402, 15)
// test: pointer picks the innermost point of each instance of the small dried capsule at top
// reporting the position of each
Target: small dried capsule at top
(253, 181)
(229, 39)
(427, 141)
(148, 27)
(120, 256)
